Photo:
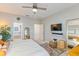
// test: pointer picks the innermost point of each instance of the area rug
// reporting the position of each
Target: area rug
(52, 51)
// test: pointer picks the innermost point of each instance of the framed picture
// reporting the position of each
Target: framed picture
(17, 27)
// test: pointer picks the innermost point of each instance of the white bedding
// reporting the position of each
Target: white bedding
(26, 48)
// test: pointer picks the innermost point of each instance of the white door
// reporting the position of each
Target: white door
(17, 31)
(38, 32)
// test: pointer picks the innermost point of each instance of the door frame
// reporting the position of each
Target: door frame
(20, 29)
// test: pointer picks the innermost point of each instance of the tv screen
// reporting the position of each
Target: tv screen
(56, 27)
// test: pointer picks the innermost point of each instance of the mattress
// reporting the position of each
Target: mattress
(26, 48)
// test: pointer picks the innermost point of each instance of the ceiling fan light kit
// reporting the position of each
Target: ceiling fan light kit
(34, 10)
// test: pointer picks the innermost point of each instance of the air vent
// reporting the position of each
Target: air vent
(27, 15)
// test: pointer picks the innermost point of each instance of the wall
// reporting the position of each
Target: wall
(48, 34)
(9, 19)
(60, 17)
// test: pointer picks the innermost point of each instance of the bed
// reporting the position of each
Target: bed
(26, 48)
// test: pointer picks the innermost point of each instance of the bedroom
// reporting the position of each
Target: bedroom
(32, 27)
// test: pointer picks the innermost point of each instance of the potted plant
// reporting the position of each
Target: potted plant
(5, 32)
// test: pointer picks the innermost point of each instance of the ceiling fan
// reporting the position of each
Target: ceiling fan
(34, 7)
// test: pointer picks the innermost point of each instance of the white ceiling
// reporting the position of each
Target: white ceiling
(17, 9)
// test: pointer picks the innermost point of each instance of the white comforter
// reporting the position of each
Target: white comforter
(26, 48)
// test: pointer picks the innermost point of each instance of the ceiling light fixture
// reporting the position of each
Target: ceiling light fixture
(34, 10)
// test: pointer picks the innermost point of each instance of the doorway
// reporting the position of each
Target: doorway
(17, 30)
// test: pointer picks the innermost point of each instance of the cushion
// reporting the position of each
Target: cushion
(2, 53)
(61, 44)
(1, 42)
(74, 51)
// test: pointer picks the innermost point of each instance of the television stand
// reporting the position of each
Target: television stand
(58, 33)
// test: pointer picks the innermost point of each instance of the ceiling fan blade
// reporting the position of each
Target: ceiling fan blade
(26, 7)
(34, 6)
(41, 8)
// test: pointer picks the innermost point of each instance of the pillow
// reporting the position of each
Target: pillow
(1, 42)
(4, 46)
(51, 44)
(74, 51)
(2, 53)
(0, 46)
(5, 50)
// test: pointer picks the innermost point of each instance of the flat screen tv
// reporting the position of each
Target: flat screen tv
(56, 27)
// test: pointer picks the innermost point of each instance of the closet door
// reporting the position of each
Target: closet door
(38, 32)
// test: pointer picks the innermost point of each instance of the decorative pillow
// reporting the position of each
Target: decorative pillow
(4, 46)
(2, 53)
(1, 42)
(5, 50)
(51, 44)
(74, 51)
(0, 46)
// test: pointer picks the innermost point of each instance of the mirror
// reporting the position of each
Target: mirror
(26, 33)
